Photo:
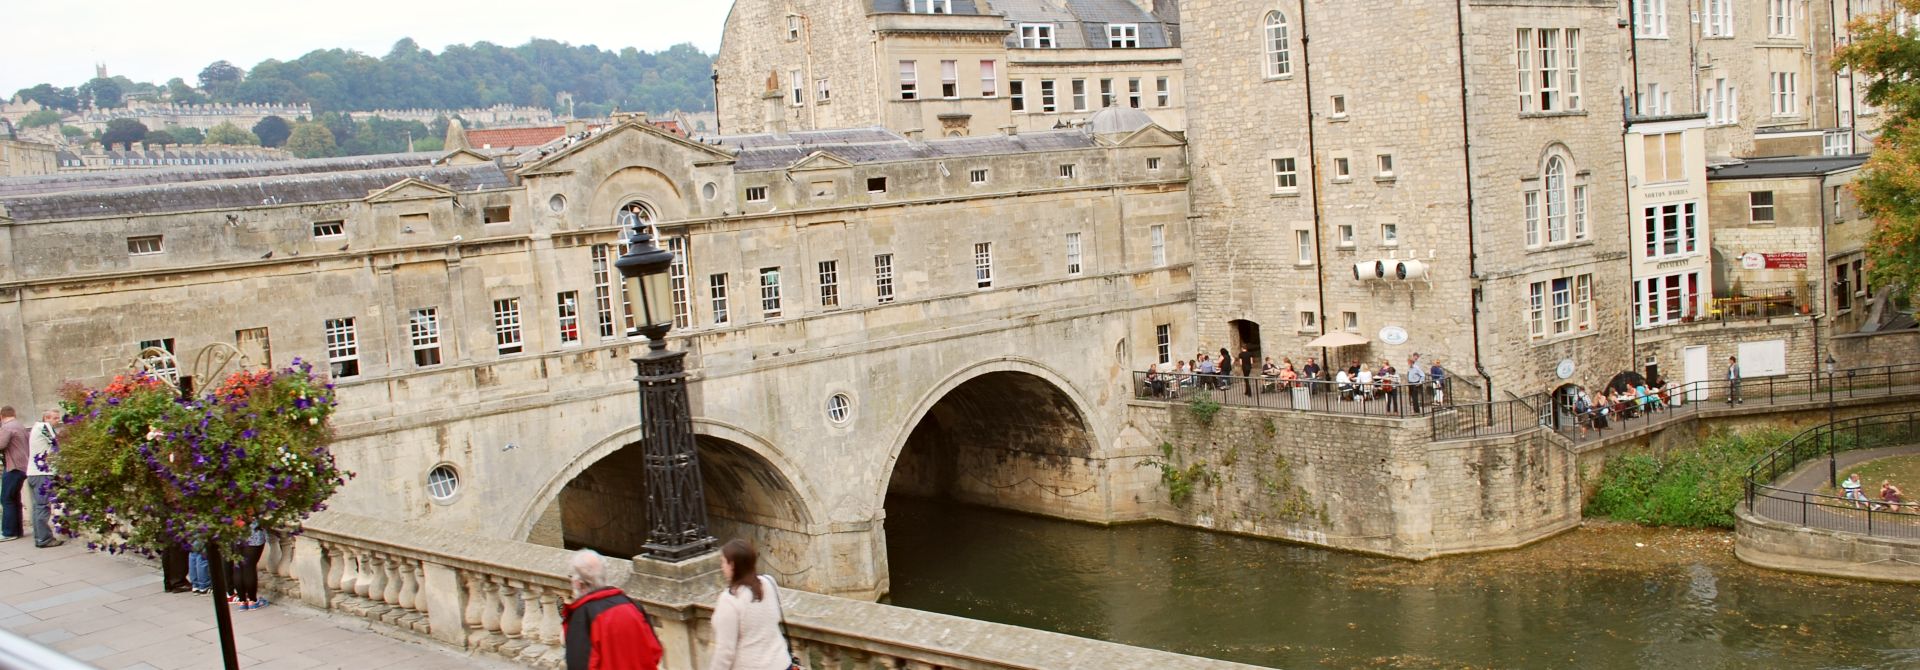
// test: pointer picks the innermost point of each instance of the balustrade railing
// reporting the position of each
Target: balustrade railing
(1384, 398)
(505, 598)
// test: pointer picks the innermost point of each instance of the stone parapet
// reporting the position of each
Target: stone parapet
(504, 598)
(1778, 545)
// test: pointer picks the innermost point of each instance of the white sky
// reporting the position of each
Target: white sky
(58, 42)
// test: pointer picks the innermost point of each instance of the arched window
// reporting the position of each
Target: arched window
(633, 215)
(1278, 64)
(1555, 185)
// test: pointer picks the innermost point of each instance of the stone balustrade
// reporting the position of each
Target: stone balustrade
(504, 598)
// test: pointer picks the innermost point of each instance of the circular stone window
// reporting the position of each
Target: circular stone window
(709, 191)
(557, 203)
(443, 482)
(839, 407)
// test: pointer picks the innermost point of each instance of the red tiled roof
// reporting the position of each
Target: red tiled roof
(671, 127)
(514, 138)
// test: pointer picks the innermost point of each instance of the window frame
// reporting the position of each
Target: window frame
(1036, 36)
(1754, 207)
(1683, 233)
(1278, 43)
(1286, 174)
(507, 338)
(989, 78)
(770, 301)
(1650, 19)
(1123, 36)
(342, 341)
(1157, 244)
(333, 228)
(883, 278)
(982, 265)
(566, 313)
(949, 80)
(423, 335)
(1073, 254)
(829, 277)
(908, 72)
(717, 298)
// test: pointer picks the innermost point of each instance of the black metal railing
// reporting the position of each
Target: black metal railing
(1677, 401)
(1865, 514)
(1386, 398)
(1484, 419)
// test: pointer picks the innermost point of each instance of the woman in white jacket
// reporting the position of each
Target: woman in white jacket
(746, 618)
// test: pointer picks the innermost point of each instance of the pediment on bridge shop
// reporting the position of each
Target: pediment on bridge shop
(409, 189)
(1151, 135)
(819, 160)
(631, 137)
(464, 157)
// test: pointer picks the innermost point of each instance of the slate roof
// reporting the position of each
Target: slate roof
(1790, 166)
(55, 183)
(249, 192)
(1082, 24)
(969, 7)
(877, 145)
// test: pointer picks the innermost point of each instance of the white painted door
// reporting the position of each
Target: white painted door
(1699, 371)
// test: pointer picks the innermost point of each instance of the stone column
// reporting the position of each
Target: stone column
(444, 599)
(315, 572)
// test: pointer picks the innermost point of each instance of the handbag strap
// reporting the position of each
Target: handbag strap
(777, 607)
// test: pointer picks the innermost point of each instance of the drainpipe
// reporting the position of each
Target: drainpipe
(716, 101)
(1466, 164)
(1313, 158)
(1633, 54)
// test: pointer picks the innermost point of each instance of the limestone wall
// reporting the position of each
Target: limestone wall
(1782, 546)
(1363, 484)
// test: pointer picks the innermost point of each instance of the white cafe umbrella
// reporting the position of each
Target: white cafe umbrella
(1337, 339)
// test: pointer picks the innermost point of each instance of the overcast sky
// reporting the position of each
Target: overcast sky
(58, 42)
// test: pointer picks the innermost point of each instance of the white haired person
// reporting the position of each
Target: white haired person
(747, 619)
(39, 448)
(605, 630)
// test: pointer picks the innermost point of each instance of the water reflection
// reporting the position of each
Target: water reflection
(1282, 605)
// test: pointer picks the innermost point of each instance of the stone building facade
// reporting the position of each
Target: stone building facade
(864, 314)
(1330, 178)
(946, 67)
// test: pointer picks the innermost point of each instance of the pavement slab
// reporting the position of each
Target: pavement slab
(109, 611)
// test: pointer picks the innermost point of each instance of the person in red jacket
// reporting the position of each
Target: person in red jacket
(604, 629)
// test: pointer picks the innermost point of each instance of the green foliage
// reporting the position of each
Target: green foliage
(1696, 486)
(1889, 186)
(41, 118)
(49, 96)
(227, 133)
(160, 138)
(1203, 408)
(185, 135)
(1180, 480)
(310, 140)
(481, 74)
(179, 93)
(123, 132)
(139, 469)
(103, 93)
(272, 131)
(71, 132)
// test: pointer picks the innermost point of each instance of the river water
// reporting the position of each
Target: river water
(1612, 597)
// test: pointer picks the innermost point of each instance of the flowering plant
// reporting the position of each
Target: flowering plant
(140, 468)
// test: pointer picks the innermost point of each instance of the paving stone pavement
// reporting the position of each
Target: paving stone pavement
(109, 611)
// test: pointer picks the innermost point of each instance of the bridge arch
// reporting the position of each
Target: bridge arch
(980, 434)
(753, 491)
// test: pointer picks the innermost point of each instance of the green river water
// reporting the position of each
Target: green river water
(1614, 597)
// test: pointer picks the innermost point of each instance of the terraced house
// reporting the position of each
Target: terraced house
(947, 67)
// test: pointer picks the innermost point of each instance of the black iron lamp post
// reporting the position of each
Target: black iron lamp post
(676, 503)
(1833, 465)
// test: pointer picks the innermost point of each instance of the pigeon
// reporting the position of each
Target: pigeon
(343, 247)
(268, 255)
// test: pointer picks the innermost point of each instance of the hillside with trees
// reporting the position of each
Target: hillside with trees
(478, 75)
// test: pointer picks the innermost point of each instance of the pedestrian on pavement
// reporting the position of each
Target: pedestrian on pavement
(246, 572)
(199, 573)
(747, 619)
(1246, 369)
(1416, 383)
(1733, 380)
(13, 448)
(39, 472)
(604, 629)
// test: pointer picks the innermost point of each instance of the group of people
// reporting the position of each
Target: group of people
(606, 630)
(23, 456)
(1891, 497)
(1625, 400)
(1422, 383)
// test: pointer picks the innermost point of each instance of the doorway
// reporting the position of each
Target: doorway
(1247, 333)
(1565, 412)
(1694, 359)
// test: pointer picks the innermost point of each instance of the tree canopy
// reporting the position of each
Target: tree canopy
(481, 74)
(227, 133)
(272, 131)
(44, 117)
(123, 131)
(310, 139)
(1889, 186)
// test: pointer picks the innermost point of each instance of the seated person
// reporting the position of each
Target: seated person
(1155, 384)
(1850, 489)
(1288, 378)
(1182, 374)
(1269, 374)
(1891, 495)
(1344, 384)
(1363, 384)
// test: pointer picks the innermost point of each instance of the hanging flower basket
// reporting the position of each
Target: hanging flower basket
(140, 468)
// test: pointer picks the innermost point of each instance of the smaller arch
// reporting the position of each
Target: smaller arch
(1279, 61)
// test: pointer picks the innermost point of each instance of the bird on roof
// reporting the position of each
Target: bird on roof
(267, 256)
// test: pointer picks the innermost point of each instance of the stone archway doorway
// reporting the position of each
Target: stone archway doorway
(1246, 333)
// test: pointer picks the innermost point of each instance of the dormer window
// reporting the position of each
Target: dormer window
(1123, 36)
(1036, 36)
(930, 6)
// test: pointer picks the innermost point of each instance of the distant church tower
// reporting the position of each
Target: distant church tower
(99, 70)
